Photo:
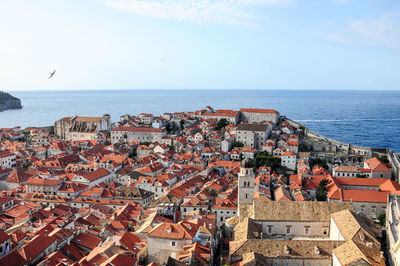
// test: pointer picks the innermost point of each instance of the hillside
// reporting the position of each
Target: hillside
(7, 102)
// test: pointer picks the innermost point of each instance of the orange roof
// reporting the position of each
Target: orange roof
(43, 182)
(96, 174)
(225, 203)
(288, 153)
(282, 194)
(36, 246)
(375, 182)
(361, 195)
(227, 164)
(87, 240)
(375, 165)
(230, 113)
(181, 230)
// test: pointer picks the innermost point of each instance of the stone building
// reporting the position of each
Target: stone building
(378, 168)
(393, 229)
(253, 135)
(253, 115)
(81, 127)
(288, 159)
(167, 239)
(43, 185)
(346, 238)
(142, 134)
(246, 185)
(7, 159)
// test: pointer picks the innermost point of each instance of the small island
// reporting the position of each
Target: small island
(8, 102)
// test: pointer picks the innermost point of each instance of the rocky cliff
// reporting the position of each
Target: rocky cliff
(7, 101)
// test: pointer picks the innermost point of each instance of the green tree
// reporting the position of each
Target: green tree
(382, 219)
(263, 159)
(383, 159)
(182, 124)
(169, 128)
(238, 144)
(320, 162)
(321, 194)
(221, 124)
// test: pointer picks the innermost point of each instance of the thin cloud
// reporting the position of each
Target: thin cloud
(206, 12)
(382, 32)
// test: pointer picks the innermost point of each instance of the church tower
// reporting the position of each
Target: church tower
(245, 184)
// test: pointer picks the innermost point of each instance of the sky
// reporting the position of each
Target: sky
(200, 44)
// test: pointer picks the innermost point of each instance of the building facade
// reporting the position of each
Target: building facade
(142, 134)
(253, 135)
(253, 115)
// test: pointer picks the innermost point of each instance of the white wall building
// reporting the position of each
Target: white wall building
(142, 134)
(253, 135)
(7, 159)
(288, 160)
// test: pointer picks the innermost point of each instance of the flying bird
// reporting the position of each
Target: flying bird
(162, 59)
(52, 74)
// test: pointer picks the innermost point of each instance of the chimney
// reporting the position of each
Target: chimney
(46, 233)
(316, 250)
(65, 261)
(286, 249)
(362, 236)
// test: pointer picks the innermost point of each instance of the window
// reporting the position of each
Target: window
(222, 219)
(306, 230)
(288, 230)
(325, 231)
(269, 230)
(173, 243)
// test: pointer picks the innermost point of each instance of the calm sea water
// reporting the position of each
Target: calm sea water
(365, 118)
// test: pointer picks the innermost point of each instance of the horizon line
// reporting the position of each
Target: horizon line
(207, 89)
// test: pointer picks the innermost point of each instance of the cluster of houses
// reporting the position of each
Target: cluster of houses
(184, 189)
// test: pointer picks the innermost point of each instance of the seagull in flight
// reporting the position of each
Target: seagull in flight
(52, 74)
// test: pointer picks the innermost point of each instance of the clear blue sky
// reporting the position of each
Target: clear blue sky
(200, 44)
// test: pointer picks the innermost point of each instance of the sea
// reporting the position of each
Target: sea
(362, 118)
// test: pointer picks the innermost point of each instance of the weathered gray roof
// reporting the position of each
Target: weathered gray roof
(311, 211)
(253, 127)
